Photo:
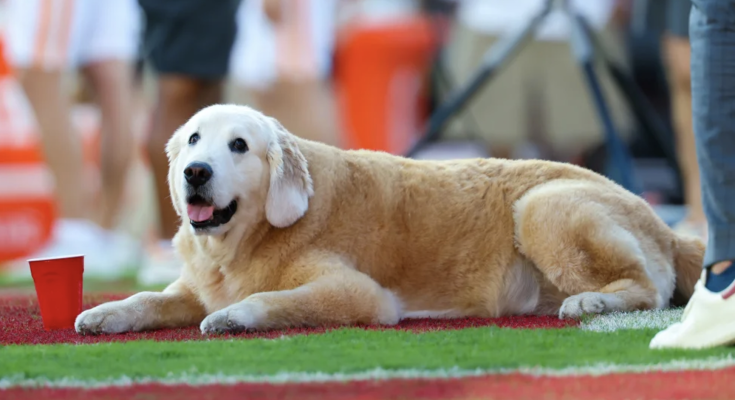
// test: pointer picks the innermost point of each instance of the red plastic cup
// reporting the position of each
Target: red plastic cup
(58, 284)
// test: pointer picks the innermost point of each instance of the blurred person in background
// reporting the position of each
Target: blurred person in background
(45, 40)
(293, 42)
(188, 45)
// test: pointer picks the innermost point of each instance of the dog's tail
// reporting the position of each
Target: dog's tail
(688, 257)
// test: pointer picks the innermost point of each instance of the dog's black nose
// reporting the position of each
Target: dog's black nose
(197, 173)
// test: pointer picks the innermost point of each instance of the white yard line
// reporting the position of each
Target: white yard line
(653, 319)
(194, 379)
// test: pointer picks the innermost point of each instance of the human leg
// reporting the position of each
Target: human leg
(109, 47)
(62, 147)
(112, 82)
(713, 86)
(707, 320)
(37, 33)
(677, 57)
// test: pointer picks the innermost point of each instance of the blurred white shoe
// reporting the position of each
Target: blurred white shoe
(107, 255)
(707, 321)
(161, 265)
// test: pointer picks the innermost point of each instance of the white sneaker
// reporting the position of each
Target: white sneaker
(708, 321)
(161, 266)
(107, 255)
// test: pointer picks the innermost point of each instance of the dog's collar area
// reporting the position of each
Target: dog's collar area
(219, 217)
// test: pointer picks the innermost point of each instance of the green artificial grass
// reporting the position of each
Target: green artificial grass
(342, 351)
(124, 283)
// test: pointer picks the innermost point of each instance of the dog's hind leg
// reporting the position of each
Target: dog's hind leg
(581, 249)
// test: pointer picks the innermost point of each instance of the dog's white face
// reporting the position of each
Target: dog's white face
(233, 165)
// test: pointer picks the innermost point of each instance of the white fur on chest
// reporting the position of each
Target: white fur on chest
(223, 298)
(212, 288)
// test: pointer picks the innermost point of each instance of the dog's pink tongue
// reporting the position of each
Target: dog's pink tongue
(199, 213)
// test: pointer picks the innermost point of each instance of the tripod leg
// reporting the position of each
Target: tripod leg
(620, 163)
(639, 105)
(495, 58)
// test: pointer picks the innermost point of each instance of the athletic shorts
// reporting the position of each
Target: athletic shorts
(61, 34)
(189, 37)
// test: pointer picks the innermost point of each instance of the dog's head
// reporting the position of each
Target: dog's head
(231, 164)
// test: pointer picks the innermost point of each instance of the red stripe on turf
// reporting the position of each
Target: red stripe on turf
(20, 323)
(646, 386)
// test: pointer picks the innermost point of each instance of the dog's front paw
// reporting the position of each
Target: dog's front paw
(112, 317)
(244, 316)
(583, 303)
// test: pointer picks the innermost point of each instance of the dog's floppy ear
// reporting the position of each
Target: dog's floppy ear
(173, 148)
(290, 181)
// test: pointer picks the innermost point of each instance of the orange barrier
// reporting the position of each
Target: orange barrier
(380, 71)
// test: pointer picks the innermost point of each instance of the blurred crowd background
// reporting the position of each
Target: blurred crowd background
(90, 90)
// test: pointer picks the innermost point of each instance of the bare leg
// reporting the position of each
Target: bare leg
(112, 82)
(61, 145)
(678, 59)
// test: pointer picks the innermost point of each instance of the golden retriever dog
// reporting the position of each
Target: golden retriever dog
(282, 232)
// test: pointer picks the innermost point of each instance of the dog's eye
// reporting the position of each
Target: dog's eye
(194, 138)
(238, 146)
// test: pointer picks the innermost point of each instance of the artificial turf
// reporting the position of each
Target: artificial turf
(347, 350)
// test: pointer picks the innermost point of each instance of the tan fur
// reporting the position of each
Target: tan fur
(386, 237)
(688, 265)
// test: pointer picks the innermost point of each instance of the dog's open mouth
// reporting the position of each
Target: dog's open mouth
(202, 214)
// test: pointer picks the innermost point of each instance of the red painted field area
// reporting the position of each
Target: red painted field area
(649, 386)
(20, 323)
